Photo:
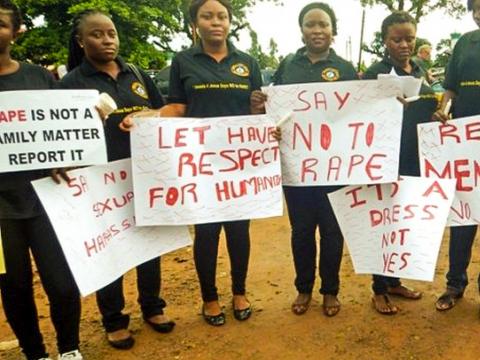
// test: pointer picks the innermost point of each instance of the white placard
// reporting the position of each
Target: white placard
(94, 221)
(451, 151)
(394, 229)
(195, 171)
(341, 133)
(43, 129)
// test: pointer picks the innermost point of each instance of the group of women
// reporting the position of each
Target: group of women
(94, 63)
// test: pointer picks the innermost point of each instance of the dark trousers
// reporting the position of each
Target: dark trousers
(205, 251)
(460, 252)
(309, 208)
(382, 283)
(37, 234)
(111, 300)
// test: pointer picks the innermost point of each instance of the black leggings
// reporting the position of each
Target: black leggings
(205, 251)
(36, 234)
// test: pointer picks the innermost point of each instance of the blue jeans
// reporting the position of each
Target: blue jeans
(460, 252)
(309, 208)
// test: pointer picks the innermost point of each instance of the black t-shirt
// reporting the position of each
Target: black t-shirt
(17, 197)
(128, 93)
(415, 113)
(297, 69)
(209, 88)
(463, 75)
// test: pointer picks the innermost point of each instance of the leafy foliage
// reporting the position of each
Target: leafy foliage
(146, 27)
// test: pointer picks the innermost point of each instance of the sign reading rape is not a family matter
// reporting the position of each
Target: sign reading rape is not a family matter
(342, 133)
(94, 221)
(190, 171)
(394, 229)
(42, 129)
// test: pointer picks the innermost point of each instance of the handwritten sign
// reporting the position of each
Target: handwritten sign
(94, 221)
(394, 229)
(451, 151)
(41, 129)
(190, 171)
(341, 133)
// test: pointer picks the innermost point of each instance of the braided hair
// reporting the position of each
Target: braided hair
(75, 52)
(14, 12)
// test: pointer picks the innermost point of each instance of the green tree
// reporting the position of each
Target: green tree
(420, 8)
(146, 27)
(266, 61)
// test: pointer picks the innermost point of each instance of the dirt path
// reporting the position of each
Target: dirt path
(417, 332)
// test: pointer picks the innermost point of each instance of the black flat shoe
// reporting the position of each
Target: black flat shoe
(122, 344)
(242, 315)
(214, 320)
(163, 328)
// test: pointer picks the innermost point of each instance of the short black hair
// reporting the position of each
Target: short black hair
(195, 5)
(321, 6)
(396, 17)
(15, 14)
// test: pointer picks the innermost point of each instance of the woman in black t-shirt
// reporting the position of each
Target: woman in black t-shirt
(94, 63)
(26, 228)
(399, 36)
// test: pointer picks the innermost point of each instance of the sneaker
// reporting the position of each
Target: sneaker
(71, 355)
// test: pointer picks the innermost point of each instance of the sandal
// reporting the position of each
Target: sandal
(448, 299)
(389, 309)
(330, 310)
(405, 292)
(301, 303)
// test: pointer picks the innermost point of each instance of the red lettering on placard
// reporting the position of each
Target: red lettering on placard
(354, 192)
(341, 100)
(307, 165)
(173, 195)
(448, 131)
(435, 188)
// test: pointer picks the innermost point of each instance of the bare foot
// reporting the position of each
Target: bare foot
(118, 335)
(405, 292)
(331, 305)
(212, 308)
(301, 303)
(240, 302)
(158, 319)
(382, 304)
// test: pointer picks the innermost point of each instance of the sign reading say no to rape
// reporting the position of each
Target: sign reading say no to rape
(394, 229)
(341, 133)
(41, 129)
(190, 171)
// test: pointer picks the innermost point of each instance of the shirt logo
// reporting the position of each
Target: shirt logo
(240, 70)
(330, 74)
(138, 89)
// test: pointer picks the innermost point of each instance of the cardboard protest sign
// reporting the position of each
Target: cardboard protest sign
(341, 133)
(394, 229)
(451, 151)
(42, 129)
(2, 259)
(194, 171)
(94, 221)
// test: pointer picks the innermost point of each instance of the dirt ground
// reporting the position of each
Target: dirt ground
(273, 332)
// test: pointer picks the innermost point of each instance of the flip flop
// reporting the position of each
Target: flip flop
(405, 292)
(299, 308)
(448, 300)
(390, 308)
